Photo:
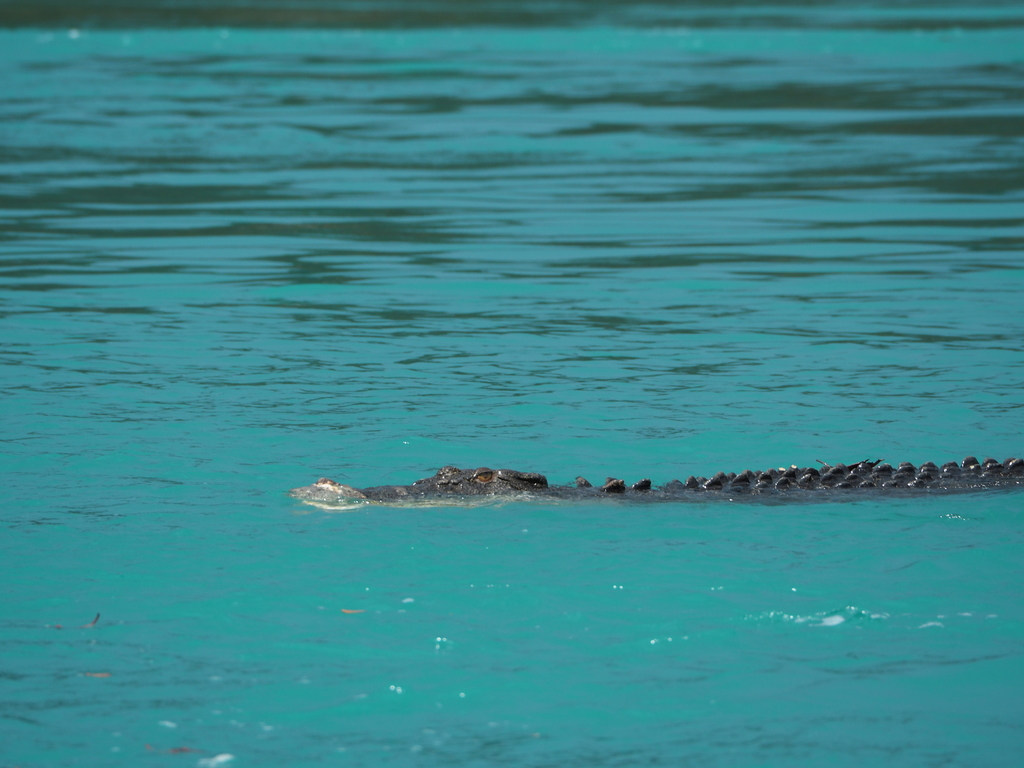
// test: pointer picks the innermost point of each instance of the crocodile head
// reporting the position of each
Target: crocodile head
(479, 481)
(449, 481)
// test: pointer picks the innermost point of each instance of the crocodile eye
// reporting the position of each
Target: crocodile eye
(484, 476)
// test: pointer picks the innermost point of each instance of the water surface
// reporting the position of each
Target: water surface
(243, 247)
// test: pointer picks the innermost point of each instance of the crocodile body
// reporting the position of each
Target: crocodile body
(865, 476)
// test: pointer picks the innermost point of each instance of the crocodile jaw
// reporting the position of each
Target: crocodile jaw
(325, 489)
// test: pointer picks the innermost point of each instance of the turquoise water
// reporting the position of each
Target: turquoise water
(249, 246)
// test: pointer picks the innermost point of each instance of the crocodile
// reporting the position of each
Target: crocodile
(970, 474)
